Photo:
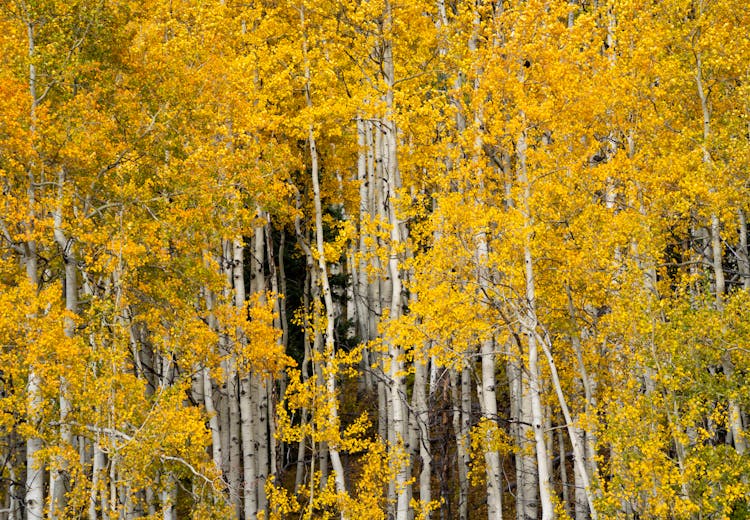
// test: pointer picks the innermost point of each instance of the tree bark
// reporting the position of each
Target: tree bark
(422, 417)
(461, 397)
(330, 351)
(529, 323)
(743, 258)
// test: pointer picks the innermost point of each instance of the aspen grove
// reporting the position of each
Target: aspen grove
(374, 259)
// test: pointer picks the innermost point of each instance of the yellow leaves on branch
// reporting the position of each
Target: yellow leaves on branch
(486, 436)
(366, 501)
(255, 337)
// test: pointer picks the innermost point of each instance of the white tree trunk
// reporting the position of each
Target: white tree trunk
(213, 420)
(305, 368)
(578, 448)
(735, 414)
(564, 472)
(460, 387)
(59, 478)
(262, 441)
(97, 484)
(743, 258)
(581, 497)
(529, 323)
(520, 405)
(168, 498)
(34, 498)
(400, 420)
(488, 400)
(259, 383)
(330, 379)
(422, 417)
(249, 489)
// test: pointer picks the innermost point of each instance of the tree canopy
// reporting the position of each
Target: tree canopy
(374, 259)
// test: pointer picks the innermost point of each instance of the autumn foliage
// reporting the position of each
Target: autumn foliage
(374, 259)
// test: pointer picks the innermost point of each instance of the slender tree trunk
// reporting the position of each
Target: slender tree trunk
(743, 258)
(400, 420)
(488, 402)
(460, 390)
(213, 420)
(360, 280)
(305, 367)
(530, 323)
(330, 378)
(262, 441)
(581, 499)
(330, 318)
(34, 470)
(259, 380)
(34, 498)
(250, 491)
(59, 477)
(247, 408)
(98, 480)
(168, 499)
(735, 413)
(578, 449)
(527, 489)
(208, 389)
(422, 417)
(565, 495)
(15, 495)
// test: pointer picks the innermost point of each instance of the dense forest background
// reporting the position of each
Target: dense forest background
(369, 259)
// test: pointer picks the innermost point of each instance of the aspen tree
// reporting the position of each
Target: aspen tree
(329, 349)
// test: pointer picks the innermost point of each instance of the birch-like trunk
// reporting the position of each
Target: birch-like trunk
(247, 407)
(578, 447)
(330, 377)
(529, 323)
(488, 403)
(15, 495)
(743, 257)
(461, 398)
(735, 413)
(565, 483)
(249, 488)
(59, 477)
(399, 415)
(487, 396)
(34, 497)
(168, 499)
(520, 406)
(259, 380)
(422, 417)
(234, 452)
(98, 478)
(581, 507)
(213, 420)
(208, 387)
(360, 282)
(330, 351)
